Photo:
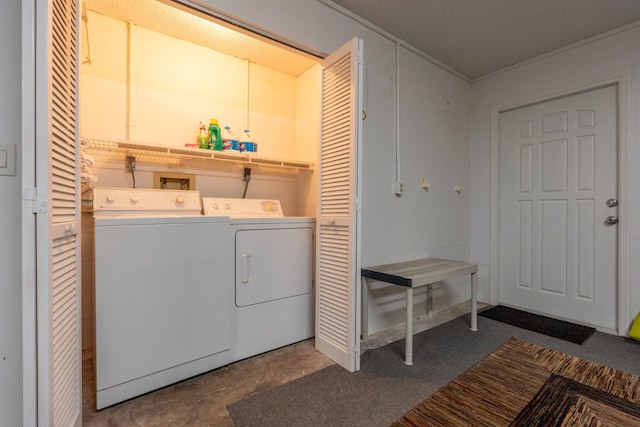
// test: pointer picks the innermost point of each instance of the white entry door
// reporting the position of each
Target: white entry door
(558, 191)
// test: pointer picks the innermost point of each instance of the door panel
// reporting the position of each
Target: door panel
(56, 205)
(558, 167)
(273, 264)
(337, 258)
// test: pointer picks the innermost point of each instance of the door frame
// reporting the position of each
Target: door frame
(620, 78)
(28, 242)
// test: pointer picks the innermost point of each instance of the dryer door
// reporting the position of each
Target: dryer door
(273, 264)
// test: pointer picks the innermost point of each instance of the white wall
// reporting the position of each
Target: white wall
(308, 92)
(10, 259)
(434, 144)
(581, 66)
(175, 85)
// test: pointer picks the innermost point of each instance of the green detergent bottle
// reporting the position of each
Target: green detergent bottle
(215, 139)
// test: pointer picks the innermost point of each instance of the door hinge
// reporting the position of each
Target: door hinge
(358, 204)
(39, 200)
(356, 350)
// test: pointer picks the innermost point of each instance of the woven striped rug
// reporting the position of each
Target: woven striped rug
(523, 384)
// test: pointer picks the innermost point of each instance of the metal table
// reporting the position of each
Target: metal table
(414, 274)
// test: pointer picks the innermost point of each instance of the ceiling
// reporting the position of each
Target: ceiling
(472, 37)
(204, 30)
(478, 37)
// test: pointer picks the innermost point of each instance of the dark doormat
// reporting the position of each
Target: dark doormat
(534, 322)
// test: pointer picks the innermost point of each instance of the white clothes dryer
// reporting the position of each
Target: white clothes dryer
(161, 291)
(273, 271)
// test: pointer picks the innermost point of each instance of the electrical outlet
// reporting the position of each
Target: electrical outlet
(130, 163)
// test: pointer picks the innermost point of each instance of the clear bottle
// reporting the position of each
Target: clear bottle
(203, 137)
(229, 140)
(215, 139)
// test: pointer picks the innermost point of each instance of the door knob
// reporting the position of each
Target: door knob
(71, 229)
(611, 220)
(612, 203)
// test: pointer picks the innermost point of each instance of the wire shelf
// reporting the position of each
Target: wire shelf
(166, 153)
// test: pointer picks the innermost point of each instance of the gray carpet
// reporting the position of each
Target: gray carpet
(385, 388)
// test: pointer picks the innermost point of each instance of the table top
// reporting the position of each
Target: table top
(419, 272)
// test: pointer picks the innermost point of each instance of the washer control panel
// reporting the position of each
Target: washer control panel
(145, 201)
(242, 208)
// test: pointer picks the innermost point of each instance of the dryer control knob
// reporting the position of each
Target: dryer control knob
(111, 198)
(134, 199)
(179, 200)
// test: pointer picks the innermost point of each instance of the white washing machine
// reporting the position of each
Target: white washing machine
(161, 291)
(273, 293)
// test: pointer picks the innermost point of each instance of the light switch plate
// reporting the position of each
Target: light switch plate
(8, 159)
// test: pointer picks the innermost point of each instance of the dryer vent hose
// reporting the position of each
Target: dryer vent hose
(246, 177)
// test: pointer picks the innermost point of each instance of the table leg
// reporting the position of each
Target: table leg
(408, 350)
(474, 302)
(365, 309)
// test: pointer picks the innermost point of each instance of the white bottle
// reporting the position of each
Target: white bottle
(229, 140)
(247, 144)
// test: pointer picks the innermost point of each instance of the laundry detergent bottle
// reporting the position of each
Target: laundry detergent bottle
(229, 140)
(246, 142)
(215, 138)
(203, 137)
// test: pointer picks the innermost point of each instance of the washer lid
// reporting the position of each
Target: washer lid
(242, 208)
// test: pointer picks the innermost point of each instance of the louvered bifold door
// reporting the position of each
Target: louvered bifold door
(57, 215)
(337, 270)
